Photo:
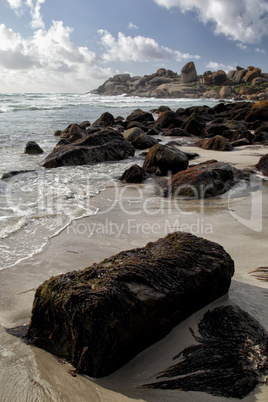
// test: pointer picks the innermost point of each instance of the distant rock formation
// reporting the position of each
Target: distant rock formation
(243, 83)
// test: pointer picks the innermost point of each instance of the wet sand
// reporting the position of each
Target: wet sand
(129, 217)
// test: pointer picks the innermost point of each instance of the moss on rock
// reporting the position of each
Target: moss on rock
(101, 317)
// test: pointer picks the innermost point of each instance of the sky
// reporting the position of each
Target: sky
(75, 45)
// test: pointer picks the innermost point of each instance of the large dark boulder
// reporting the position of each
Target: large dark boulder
(263, 164)
(101, 317)
(163, 159)
(105, 145)
(205, 180)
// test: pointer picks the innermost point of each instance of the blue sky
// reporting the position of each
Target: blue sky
(75, 45)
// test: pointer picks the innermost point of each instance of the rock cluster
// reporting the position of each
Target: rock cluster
(220, 128)
(82, 146)
(101, 317)
(243, 83)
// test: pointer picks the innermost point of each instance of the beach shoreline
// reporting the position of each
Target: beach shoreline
(130, 216)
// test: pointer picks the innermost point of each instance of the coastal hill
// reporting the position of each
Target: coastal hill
(243, 83)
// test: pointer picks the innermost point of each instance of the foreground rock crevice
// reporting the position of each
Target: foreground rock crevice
(101, 317)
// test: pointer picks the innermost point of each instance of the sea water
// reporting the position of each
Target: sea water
(38, 204)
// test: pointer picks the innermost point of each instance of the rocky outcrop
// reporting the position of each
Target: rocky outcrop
(188, 73)
(136, 86)
(163, 159)
(204, 180)
(168, 84)
(104, 145)
(101, 317)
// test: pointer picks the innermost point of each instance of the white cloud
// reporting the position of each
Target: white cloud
(258, 50)
(137, 49)
(48, 61)
(34, 7)
(243, 20)
(132, 26)
(241, 46)
(15, 4)
(214, 66)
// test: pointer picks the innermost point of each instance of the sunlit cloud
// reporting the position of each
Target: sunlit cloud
(132, 26)
(137, 49)
(34, 7)
(242, 47)
(242, 20)
(262, 51)
(214, 66)
(49, 60)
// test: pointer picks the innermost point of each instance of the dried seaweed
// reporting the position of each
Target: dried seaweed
(230, 360)
(260, 273)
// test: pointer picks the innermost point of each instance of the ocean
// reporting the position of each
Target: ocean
(37, 205)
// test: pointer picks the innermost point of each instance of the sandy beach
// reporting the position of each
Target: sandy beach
(130, 216)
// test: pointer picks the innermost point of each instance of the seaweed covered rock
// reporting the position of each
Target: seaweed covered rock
(205, 180)
(105, 145)
(258, 111)
(101, 317)
(230, 359)
(163, 159)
